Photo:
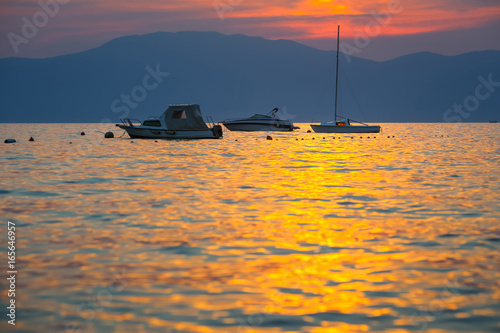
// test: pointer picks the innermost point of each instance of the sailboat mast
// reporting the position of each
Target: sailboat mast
(337, 73)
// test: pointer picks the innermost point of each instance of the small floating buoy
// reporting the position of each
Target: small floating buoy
(367, 137)
(83, 133)
(308, 131)
(236, 140)
(31, 139)
(131, 141)
(156, 140)
(361, 137)
(352, 137)
(70, 142)
(302, 138)
(323, 138)
(313, 138)
(388, 136)
(10, 140)
(108, 135)
(296, 139)
(269, 137)
(393, 136)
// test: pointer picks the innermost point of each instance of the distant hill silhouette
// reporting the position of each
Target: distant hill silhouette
(237, 75)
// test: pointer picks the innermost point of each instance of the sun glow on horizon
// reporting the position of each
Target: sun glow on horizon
(276, 19)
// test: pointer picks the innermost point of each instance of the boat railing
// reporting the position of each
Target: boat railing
(130, 122)
(349, 120)
(273, 113)
(210, 121)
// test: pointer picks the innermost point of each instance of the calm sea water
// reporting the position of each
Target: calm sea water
(305, 233)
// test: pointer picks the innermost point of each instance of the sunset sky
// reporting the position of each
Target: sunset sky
(389, 28)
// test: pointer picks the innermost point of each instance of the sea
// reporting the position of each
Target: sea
(395, 232)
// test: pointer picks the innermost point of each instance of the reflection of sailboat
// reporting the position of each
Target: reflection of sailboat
(343, 126)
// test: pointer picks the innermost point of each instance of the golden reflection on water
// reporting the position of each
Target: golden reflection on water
(326, 235)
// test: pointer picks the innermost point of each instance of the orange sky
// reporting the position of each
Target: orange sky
(80, 25)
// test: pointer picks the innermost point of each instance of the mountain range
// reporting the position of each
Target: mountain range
(237, 75)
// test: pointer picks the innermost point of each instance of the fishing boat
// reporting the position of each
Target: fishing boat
(179, 121)
(342, 124)
(260, 122)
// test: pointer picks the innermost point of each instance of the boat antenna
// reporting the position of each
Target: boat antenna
(337, 72)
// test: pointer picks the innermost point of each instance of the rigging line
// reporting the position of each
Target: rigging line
(353, 95)
(321, 98)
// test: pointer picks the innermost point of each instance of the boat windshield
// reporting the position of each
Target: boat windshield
(259, 116)
(154, 123)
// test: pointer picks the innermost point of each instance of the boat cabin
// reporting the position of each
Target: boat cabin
(343, 123)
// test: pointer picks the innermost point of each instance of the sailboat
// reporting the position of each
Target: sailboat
(341, 124)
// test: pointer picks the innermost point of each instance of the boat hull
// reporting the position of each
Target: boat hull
(345, 129)
(253, 127)
(159, 133)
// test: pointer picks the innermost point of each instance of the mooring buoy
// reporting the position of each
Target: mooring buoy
(109, 135)
(10, 140)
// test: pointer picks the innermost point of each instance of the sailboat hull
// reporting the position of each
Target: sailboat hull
(345, 129)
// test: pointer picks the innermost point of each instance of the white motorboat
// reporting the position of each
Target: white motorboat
(260, 122)
(341, 124)
(179, 121)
